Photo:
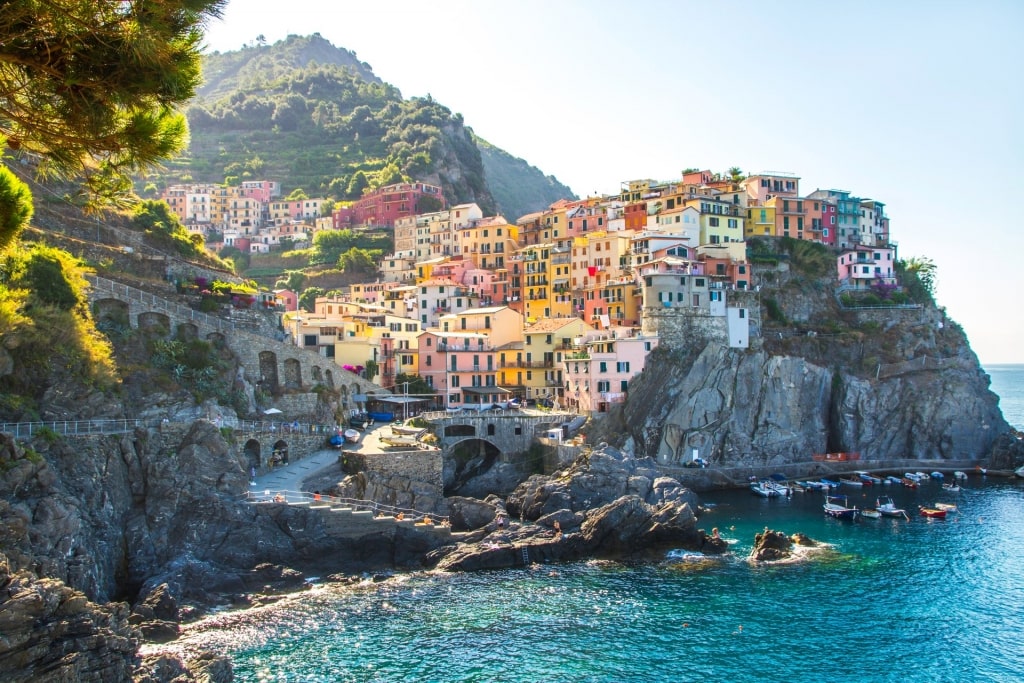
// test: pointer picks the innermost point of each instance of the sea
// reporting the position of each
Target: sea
(910, 600)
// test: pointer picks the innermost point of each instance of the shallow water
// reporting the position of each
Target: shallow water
(923, 600)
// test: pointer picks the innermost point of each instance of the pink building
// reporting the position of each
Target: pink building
(287, 299)
(385, 205)
(598, 370)
(862, 267)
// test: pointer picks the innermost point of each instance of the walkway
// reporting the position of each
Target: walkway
(290, 477)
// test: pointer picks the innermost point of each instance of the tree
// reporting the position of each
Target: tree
(357, 260)
(293, 280)
(93, 88)
(918, 276)
(307, 300)
(15, 206)
(735, 174)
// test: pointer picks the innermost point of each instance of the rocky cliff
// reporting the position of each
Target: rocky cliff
(889, 384)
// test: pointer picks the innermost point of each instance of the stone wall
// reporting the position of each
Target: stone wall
(422, 466)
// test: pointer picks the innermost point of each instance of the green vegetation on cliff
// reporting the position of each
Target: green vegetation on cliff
(314, 117)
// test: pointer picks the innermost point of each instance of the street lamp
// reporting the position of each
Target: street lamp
(405, 401)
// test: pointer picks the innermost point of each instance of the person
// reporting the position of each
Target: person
(316, 495)
(252, 474)
(279, 498)
(714, 533)
(501, 522)
(558, 528)
(400, 516)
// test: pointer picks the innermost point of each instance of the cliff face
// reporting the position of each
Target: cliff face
(801, 394)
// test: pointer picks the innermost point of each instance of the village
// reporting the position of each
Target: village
(560, 308)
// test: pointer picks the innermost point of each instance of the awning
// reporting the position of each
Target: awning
(485, 390)
(400, 400)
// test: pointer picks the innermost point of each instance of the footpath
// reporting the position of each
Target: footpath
(290, 477)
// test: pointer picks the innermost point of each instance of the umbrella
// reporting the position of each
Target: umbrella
(271, 411)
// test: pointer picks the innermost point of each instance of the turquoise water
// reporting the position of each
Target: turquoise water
(919, 601)
(923, 600)
(1008, 382)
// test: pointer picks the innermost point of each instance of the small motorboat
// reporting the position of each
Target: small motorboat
(932, 513)
(1019, 471)
(938, 475)
(910, 483)
(948, 507)
(871, 513)
(893, 480)
(351, 435)
(836, 506)
(829, 483)
(913, 476)
(764, 489)
(854, 482)
(886, 507)
(959, 475)
(336, 440)
(952, 488)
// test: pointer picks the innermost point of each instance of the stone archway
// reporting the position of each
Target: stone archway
(112, 311)
(465, 460)
(279, 456)
(329, 379)
(268, 372)
(251, 452)
(154, 324)
(186, 332)
(292, 374)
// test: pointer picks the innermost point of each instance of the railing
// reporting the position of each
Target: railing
(155, 303)
(21, 430)
(289, 497)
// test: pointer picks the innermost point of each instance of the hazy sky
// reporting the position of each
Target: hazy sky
(917, 104)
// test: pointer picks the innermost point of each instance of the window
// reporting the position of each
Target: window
(603, 386)
(622, 366)
(455, 380)
(603, 367)
(713, 222)
(430, 361)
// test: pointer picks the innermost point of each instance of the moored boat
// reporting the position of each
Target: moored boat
(888, 508)
(910, 483)
(933, 513)
(948, 507)
(952, 488)
(764, 489)
(871, 513)
(867, 477)
(914, 476)
(938, 475)
(829, 483)
(893, 480)
(351, 435)
(959, 475)
(1019, 471)
(836, 506)
(854, 482)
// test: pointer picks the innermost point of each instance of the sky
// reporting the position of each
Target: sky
(916, 104)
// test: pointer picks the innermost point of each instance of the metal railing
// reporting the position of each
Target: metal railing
(22, 430)
(156, 303)
(290, 497)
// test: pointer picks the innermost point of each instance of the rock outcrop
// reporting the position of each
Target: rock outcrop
(775, 546)
(607, 505)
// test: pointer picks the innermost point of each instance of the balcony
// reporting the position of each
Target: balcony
(474, 348)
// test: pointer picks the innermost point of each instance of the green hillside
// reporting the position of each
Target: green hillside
(313, 116)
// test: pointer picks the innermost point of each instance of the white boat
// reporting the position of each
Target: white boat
(885, 506)
(959, 475)
(400, 441)
(952, 488)
(852, 482)
(870, 513)
(351, 435)
(948, 507)
(893, 480)
(764, 489)
(1019, 471)
(915, 476)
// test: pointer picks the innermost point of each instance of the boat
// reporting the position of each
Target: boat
(336, 440)
(948, 507)
(893, 480)
(1019, 471)
(888, 508)
(914, 476)
(871, 513)
(406, 430)
(764, 489)
(783, 488)
(933, 513)
(381, 416)
(835, 506)
(952, 488)
(867, 477)
(829, 483)
(910, 483)
(959, 475)
(351, 435)
(854, 482)
(937, 475)
(400, 441)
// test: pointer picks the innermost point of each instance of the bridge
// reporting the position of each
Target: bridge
(274, 366)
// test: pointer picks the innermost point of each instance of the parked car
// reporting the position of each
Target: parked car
(360, 421)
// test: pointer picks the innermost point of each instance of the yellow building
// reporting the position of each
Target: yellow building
(760, 221)
(538, 364)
